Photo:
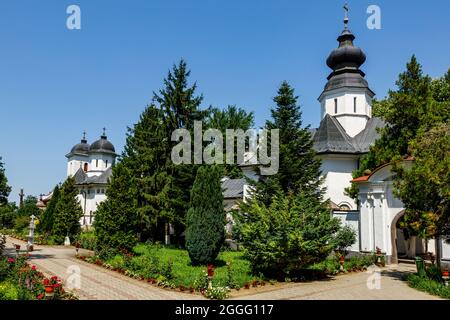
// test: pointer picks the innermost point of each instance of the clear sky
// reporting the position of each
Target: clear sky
(55, 83)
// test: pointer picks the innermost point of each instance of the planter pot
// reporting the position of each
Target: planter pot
(445, 273)
(49, 291)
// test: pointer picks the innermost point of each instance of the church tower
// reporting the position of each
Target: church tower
(347, 96)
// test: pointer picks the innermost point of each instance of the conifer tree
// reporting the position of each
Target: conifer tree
(146, 156)
(205, 222)
(48, 216)
(181, 107)
(4, 188)
(116, 219)
(299, 168)
(68, 212)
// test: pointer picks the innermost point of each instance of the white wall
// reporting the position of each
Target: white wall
(353, 122)
(93, 199)
(350, 218)
(98, 163)
(337, 170)
(74, 163)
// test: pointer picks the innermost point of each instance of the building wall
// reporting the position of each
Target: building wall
(353, 121)
(350, 218)
(337, 170)
(90, 198)
(98, 163)
(76, 162)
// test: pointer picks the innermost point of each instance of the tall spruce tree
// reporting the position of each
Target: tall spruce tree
(299, 168)
(48, 216)
(181, 107)
(5, 189)
(116, 220)
(205, 223)
(146, 156)
(68, 212)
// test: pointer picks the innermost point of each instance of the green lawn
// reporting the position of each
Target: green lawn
(151, 261)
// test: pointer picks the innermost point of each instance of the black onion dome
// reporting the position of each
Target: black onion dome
(81, 148)
(103, 146)
(346, 55)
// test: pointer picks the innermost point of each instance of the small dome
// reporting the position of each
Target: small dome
(82, 147)
(102, 145)
(346, 55)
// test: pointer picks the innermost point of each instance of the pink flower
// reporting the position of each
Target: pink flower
(11, 260)
(40, 296)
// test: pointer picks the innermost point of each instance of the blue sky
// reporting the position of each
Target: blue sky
(55, 83)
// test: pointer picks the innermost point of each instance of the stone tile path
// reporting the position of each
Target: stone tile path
(96, 282)
(352, 286)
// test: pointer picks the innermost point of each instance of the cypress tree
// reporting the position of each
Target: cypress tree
(205, 229)
(116, 219)
(48, 216)
(68, 212)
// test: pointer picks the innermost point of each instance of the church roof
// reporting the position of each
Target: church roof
(81, 178)
(331, 137)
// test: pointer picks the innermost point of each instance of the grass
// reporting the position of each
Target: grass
(428, 285)
(185, 274)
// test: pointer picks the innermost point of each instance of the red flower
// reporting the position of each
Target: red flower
(33, 268)
(46, 282)
(54, 278)
(40, 296)
(11, 260)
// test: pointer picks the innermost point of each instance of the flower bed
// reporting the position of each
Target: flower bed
(21, 281)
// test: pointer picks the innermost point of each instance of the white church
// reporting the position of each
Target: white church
(91, 165)
(346, 131)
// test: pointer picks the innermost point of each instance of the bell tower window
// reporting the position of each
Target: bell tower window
(354, 104)
(86, 167)
(335, 105)
(106, 163)
(96, 163)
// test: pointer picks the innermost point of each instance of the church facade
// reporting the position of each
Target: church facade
(91, 167)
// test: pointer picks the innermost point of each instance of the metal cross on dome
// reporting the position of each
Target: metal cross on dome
(346, 9)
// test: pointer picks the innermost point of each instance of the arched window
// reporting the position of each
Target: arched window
(344, 207)
(106, 162)
(86, 167)
(354, 104)
(96, 163)
(335, 105)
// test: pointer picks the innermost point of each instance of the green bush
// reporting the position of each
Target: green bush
(117, 262)
(428, 285)
(344, 238)
(87, 240)
(292, 233)
(205, 220)
(8, 291)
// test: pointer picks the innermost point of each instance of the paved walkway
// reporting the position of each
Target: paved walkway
(96, 283)
(386, 285)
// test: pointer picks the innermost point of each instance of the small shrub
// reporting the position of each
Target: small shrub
(117, 262)
(217, 293)
(201, 282)
(8, 291)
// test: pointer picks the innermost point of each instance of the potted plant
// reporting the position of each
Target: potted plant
(49, 289)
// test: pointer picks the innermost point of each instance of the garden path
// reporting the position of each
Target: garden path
(352, 286)
(96, 283)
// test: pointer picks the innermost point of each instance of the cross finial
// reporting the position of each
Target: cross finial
(346, 9)
(84, 135)
(104, 131)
